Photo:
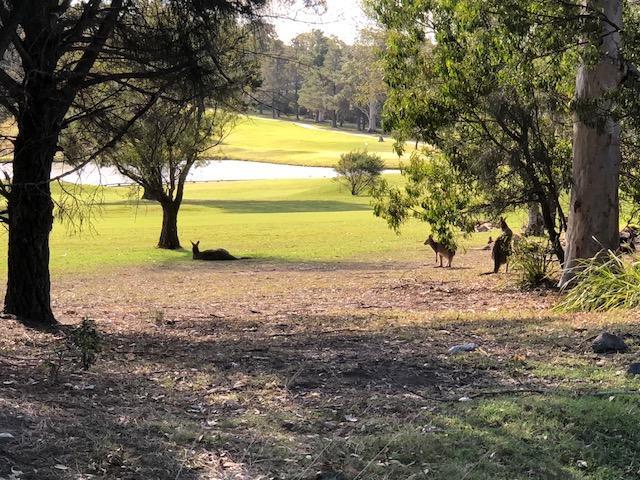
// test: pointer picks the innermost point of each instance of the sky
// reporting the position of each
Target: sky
(343, 18)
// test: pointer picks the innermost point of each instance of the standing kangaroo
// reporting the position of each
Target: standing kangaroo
(441, 250)
(217, 254)
(501, 250)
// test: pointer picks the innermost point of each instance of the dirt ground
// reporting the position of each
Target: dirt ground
(252, 370)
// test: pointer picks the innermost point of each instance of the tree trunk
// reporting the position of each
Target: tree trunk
(169, 233)
(147, 195)
(548, 215)
(334, 119)
(535, 222)
(594, 208)
(30, 221)
(373, 112)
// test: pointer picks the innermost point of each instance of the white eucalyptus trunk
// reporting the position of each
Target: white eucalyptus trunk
(594, 209)
(373, 115)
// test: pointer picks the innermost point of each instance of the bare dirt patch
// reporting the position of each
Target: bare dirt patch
(251, 370)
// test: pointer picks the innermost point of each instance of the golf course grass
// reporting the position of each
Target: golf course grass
(291, 220)
(266, 140)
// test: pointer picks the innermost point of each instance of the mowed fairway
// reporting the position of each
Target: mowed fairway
(291, 220)
(265, 140)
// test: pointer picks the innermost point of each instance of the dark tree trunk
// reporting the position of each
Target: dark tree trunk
(169, 233)
(147, 195)
(30, 221)
(334, 119)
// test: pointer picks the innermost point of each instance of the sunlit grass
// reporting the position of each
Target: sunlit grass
(277, 141)
(291, 220)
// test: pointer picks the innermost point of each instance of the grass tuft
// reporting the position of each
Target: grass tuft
(603, 285)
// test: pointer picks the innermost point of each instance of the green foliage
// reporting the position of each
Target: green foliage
(534, 262)
(492, 93)
(359, 170)
(434, 192)
(159, 150)
(85, 343)
(603, 284)
(80, 347)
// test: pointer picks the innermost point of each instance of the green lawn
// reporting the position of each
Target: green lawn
(299, 220)
(279, 141)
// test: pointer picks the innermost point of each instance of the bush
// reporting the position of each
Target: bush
(534, 262)
(359, 170)
(602, 285)
(434, 192)
(85, 342)
(80, 346)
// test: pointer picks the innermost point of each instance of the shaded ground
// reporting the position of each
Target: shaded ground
(250, 370)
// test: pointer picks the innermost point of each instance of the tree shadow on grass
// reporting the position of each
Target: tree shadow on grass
(309, 393)
(279, 206)
(261, 206)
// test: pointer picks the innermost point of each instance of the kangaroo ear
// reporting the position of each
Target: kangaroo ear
(197, 243)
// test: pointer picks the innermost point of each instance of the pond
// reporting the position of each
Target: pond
(211, 171)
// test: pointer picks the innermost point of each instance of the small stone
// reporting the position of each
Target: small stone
(608, 343)
(634, 369)
(464, 347)
(330, 476)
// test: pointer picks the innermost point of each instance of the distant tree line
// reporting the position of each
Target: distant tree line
(322, 78)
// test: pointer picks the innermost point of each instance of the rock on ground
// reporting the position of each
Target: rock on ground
(609, 343)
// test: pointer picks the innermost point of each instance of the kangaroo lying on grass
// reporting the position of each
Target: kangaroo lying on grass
(441, 250)
(217, 254)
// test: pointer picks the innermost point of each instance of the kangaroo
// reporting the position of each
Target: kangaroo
(501, 250)
(217, 254)
(489, 245)
(441, 250)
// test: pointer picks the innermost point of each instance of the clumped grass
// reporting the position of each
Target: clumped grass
(604, 284)
(533, 261)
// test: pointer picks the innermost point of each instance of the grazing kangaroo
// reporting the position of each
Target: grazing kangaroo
(217, 254)
(501, 250)
(441, 250)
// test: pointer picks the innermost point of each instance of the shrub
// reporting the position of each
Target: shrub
(80, 346)
(602, 285)
(359, 170)
(434, 192)
(534, 262)
(85, 342)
